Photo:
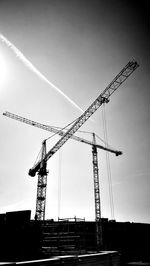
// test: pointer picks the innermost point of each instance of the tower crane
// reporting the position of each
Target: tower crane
(101, 99)
(60, 132)
(42, 177)
(40, 166)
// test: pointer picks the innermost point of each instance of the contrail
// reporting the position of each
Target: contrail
(27, 63)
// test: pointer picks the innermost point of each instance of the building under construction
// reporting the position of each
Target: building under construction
(24, 239)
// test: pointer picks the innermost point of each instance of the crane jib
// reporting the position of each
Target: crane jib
(102, 98)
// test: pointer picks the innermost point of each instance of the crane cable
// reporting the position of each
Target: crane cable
(108, 163)
(53, 135)
(38, 156)
(61, 130)
(59, 182)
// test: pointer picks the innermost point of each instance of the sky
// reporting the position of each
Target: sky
(79, 46)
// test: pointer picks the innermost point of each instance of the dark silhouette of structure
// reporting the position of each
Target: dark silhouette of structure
(24, 239)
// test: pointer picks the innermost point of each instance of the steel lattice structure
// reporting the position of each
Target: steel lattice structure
(41, 186)
(97, 195)
(42, 175)
(102, 98)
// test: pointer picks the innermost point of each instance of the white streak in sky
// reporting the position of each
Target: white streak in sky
(27, 63)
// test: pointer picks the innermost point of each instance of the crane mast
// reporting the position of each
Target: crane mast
(96, 180)
(102, 98)
(41, 186)
(99, 238)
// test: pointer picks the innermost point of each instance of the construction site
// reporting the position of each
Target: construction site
(72, 240)
(75, 126)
